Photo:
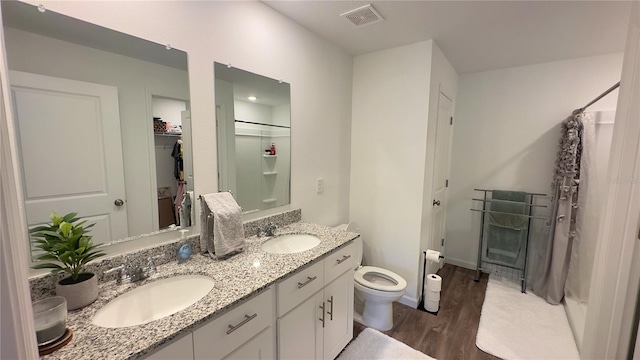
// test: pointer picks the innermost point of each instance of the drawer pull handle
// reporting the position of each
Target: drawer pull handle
(309, 279)
(247, 318)
(330, 301)
(322, 318)
(344, 258)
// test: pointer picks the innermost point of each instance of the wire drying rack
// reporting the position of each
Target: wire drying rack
(516, 272)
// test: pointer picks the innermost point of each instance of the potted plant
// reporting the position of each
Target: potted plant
(66, 242)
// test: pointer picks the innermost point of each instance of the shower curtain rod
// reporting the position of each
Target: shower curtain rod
(600, 97)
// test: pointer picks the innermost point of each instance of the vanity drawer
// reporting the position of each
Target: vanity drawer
(338, 262)
(226, 333)
(299, 287)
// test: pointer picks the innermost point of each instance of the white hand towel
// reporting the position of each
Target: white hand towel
(228, 231)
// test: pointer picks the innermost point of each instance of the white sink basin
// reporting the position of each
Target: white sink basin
(153, 301)
(290, 244)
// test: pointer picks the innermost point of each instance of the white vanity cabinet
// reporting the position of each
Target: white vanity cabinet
(243, 331)
(317, 322)
(314, 310)
(179, 349)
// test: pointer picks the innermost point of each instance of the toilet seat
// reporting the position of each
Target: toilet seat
(373, 272)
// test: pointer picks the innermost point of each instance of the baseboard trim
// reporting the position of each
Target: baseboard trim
(409, 301)
(461, 263)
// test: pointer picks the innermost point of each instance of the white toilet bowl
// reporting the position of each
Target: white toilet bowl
(378, 288)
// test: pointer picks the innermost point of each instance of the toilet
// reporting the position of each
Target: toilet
(375, 287)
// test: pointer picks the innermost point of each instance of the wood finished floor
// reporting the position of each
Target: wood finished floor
(452, 333)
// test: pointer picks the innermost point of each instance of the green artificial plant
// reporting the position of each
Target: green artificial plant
(67, 242)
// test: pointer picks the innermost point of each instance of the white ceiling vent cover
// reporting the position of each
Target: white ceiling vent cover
(365, 15)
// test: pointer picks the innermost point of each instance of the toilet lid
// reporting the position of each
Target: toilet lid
(379, 279)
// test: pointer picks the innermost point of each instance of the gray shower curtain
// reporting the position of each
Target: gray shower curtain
(563, 222)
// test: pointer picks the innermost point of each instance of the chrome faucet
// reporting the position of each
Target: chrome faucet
(120, 270)
(267, 230)
(134, 274)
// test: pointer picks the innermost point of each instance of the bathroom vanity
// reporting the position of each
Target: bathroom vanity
(262, 306)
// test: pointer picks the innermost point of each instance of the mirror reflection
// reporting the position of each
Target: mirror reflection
(103, 124)
(253, 115)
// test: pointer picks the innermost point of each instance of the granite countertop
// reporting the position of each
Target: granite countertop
(236, 279)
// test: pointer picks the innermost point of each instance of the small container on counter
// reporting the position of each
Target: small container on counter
(50, 317)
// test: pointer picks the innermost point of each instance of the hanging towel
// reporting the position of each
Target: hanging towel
(177, 202)
(185, 209)
(507, 226)
(222, 232)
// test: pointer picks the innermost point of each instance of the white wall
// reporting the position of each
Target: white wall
(506, 131)
(388, 144)
(239, 33)
(248, 111)
(25, 53)
(281, 115)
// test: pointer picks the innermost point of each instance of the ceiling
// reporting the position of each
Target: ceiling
(474, 35)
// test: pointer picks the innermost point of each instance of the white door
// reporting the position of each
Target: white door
(300, 331)
(440, 173)
(71, 151)
(338, 329)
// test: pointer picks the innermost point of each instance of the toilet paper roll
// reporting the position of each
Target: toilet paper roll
(434, 256)
(432, 306)
(431, 295)
(434, 282)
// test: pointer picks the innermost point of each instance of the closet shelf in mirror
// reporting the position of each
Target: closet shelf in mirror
(270, 173)
(167, 134)
(270, 156)
(267, 201)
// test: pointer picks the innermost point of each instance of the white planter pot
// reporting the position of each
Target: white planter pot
(79, 294)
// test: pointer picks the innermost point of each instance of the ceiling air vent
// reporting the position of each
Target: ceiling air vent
(365, 15)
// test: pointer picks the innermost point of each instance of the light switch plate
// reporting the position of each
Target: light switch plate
(319, 185)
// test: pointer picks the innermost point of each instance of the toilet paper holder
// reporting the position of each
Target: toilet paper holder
(433, 256)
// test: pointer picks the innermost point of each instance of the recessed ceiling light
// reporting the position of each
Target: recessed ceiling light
(252, 98)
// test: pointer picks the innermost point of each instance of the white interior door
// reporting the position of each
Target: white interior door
(440, 173)
(71, 151)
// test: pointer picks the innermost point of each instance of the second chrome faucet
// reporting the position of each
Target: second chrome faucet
(268, 230)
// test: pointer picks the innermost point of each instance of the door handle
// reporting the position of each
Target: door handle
(322, 318)
(247, 318)
(330, 301)
(118, 202)
(436, 202)
(309, 279)
(344, 258)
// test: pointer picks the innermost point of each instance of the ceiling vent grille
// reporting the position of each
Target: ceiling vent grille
(365, 15)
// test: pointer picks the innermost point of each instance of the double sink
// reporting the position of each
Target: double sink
(168, 296)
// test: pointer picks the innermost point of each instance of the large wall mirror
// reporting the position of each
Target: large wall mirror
(253, 115)
(103, 124)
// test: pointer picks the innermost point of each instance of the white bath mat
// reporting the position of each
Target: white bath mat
(514, 325)
(374, 345)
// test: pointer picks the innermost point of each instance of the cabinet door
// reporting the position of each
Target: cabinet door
(300, 330)
(338, 331)
(261, 347)
(179, 349)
